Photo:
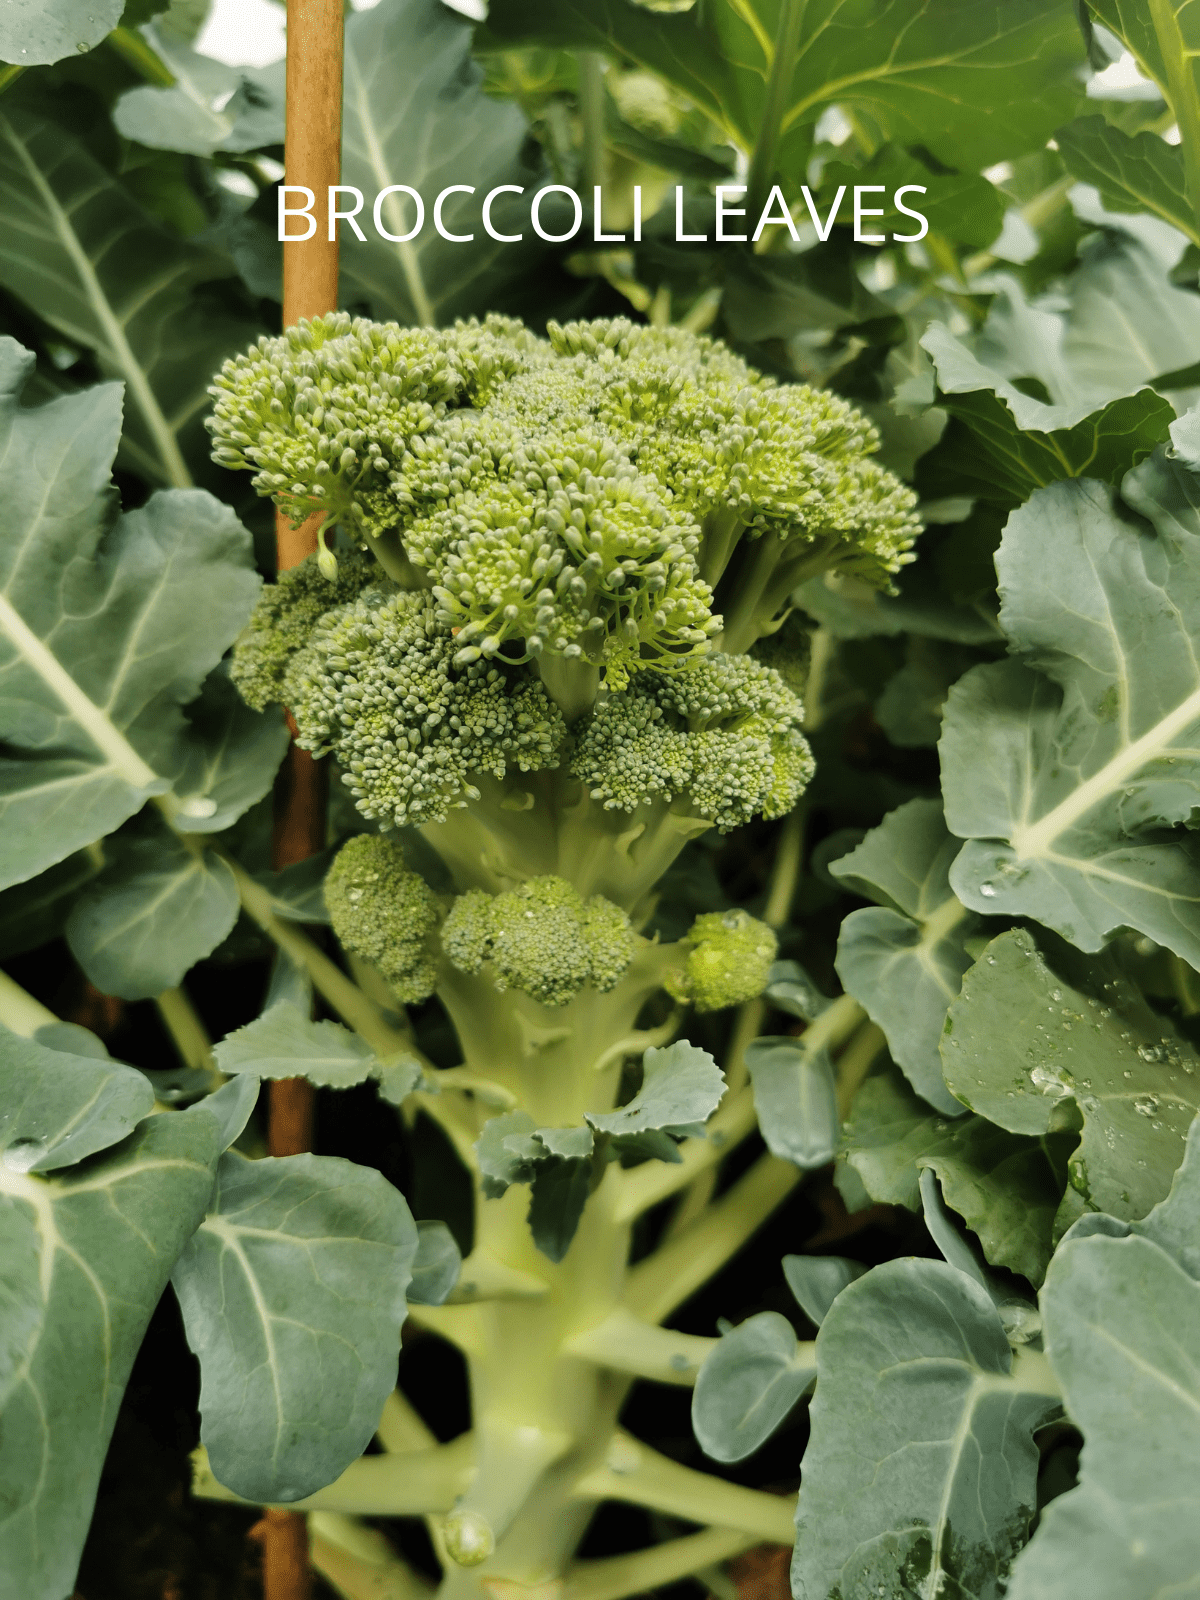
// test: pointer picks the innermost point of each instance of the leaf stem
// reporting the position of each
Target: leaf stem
(134, 49)
(1178, 59)
(188, 1033)
(19, 1011)
(779, 82)
(644, 1570)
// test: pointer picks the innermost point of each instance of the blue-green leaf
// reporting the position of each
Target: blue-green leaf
(748, 1384)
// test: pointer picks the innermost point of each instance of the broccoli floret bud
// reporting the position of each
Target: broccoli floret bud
(729, 960)
(285, 616)
(542, 938)
(378, 687)
(323, 413)
(725, 734)
(386, 913)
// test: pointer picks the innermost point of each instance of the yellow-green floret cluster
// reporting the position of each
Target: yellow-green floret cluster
(614, 494)
(728, 962)
(386, 913)
(725, 735)
(543, 938)
(377, 686)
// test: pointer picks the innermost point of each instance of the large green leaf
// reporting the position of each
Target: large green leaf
(209, 107)
(415, 113)
(1005, 1186)
(60, 1108)
(79, 250)
(107, 626)
(920, 1473)
(1133, 172)
(96, 1244)
(1122, 1320)
(971, 81)
(292, 1293)
(36, 32)
(748, 1384)
(1021, 1043)
(681, 1088)
(795, 1099)
(904, 962)
(1067, 768)
(284, 1043)
(160, 905)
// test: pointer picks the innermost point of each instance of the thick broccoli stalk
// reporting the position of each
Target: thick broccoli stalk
(725, 737)
(543, 938)
(729, 961)
(386, 913)
(573, 501)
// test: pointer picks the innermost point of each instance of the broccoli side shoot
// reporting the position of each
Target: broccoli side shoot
(284, 618)
(728, 962)
(543, 938)
(386, 913)
(725, 736)
(378, 686)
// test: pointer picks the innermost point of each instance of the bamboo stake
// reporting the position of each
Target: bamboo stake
(312, 157)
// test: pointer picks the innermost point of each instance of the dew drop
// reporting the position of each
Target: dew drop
(1145, 1104)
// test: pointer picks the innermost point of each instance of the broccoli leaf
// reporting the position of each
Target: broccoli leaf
(233, 756)
(293, 1293)
(32, 913)
(1133, 172)
(436, 1265)
(901, 71)
(284, 1043)
(209, 107)
(1005, 1187)
(1067, 768)
(748, 1384)
(795, 1099)
(60, 1108)
(681, 1088)
(816, 1281)
(37, 32)
(1021, 1042)
(915, 1350)
(904, 962)
(89, 1252)
(156, 909)
(1122, 1321)
(88, 259)
(416, 114)
(101, 636)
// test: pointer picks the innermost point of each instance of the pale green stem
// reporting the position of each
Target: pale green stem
(654, 1181)
(359, 1562)
(855, 1062)
(346, 998)
(144, 61)
(785, 873)
(591, 116)
(665, 1279)
(775, 101)
(9, 76)
(624, 1343)
(397, 1485)
(645, 1570)
(1180, 61)
(19, 1011)
(640, 1476)
(188, 1033)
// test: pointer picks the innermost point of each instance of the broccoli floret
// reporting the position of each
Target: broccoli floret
(377, 687)
(729, 960)
(582, 496)
(542, 938)
(725, 734)
(285, 616)
(386, 913)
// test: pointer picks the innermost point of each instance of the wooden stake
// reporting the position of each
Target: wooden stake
(313, 158)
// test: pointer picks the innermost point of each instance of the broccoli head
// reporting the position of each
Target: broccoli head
(386, 913)
(729, 960)
(543, 938)
(378, 687)
(284, 618)
(725, 736)
(615, 494)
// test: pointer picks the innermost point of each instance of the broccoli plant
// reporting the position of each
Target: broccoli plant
(530, 644)
(743, 955)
